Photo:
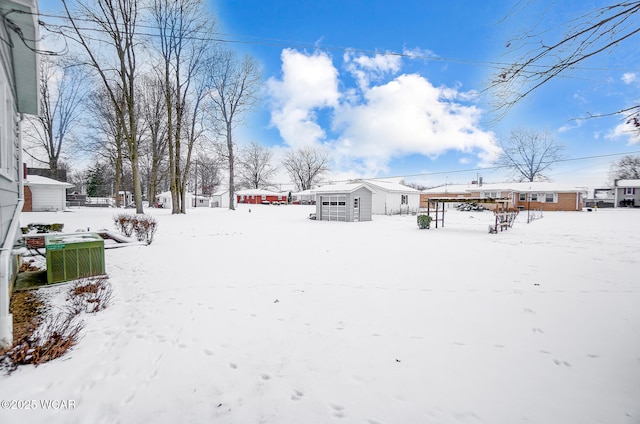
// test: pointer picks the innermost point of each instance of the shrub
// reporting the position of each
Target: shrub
(53, 338)
(424, 222)
(56, 227)
(144, 226)
(89, 295)
(124, 224)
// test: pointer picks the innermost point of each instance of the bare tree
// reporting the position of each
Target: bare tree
(154, 146)
(207, 173)
(117, 21)
(234, 92)
(541, 60)
(529, 153)
(254, 166)
(627, 168)
(61, 92)
(306, 166)
(182, 26)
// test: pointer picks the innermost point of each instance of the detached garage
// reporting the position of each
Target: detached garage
(42, 194)
(344, 202)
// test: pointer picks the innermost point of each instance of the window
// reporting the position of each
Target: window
(550, 198)
(534, 197)
(490, 194)
(523, 197)
(404, 199)
(628, 191)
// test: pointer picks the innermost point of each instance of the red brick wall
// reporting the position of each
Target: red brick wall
(27, 200)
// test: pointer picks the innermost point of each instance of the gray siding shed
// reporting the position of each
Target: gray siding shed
(344, 202)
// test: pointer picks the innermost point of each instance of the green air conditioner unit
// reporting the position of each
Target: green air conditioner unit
(73, 256)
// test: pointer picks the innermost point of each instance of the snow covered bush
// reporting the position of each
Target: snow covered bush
(124, 224)
(89, 295)
(424, 222)
(144, 226)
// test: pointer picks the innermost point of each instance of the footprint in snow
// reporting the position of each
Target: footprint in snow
(559, 362)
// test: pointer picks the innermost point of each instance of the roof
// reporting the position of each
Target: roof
(257, 192)
(525, 187)
(37, 180)
(390, 186)
(343, 188)
(627, 183)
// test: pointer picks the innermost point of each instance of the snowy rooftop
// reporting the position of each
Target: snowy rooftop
(257, 192)
(33, 180)
(628, 183)
(342, 188)
(392, 186)
(519, 187)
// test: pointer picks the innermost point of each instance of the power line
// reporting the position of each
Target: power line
(457, 171)
(228, 38)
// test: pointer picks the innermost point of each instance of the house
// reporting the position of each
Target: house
(42, 194)
(220, 199)
(125, 198)
(164, 200)
(601, 198)
(305, 197)
(527, 195)
(626, 193)
(351, 202)
(256, 196)
(392, 198)
(19, 87)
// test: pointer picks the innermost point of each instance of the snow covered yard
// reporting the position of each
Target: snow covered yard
(268, 317)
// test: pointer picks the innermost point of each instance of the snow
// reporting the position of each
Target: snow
(266, 316)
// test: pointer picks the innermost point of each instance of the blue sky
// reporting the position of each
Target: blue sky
(369, 108)
(329, 80)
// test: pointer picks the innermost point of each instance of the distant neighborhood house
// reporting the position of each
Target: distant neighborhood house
(527, 195)
(256, 196)
(626, 193)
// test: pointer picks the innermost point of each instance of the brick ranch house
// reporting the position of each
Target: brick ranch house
(259, 196)
(536, 195)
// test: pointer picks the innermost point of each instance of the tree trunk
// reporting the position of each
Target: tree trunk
(232, 205)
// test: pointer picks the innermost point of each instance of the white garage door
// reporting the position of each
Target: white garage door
(334, 208)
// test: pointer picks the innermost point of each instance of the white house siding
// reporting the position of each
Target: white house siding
(391, 203)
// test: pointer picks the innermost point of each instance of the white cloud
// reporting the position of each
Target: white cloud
(409, 115)
(576, 123)
(366, 69)
(418, 53)
(624, 130)
(629, 77)
(391, 118)
(309, 82)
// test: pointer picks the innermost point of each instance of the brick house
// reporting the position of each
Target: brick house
(528, 195)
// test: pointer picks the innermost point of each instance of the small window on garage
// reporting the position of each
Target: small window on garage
(404, 199)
